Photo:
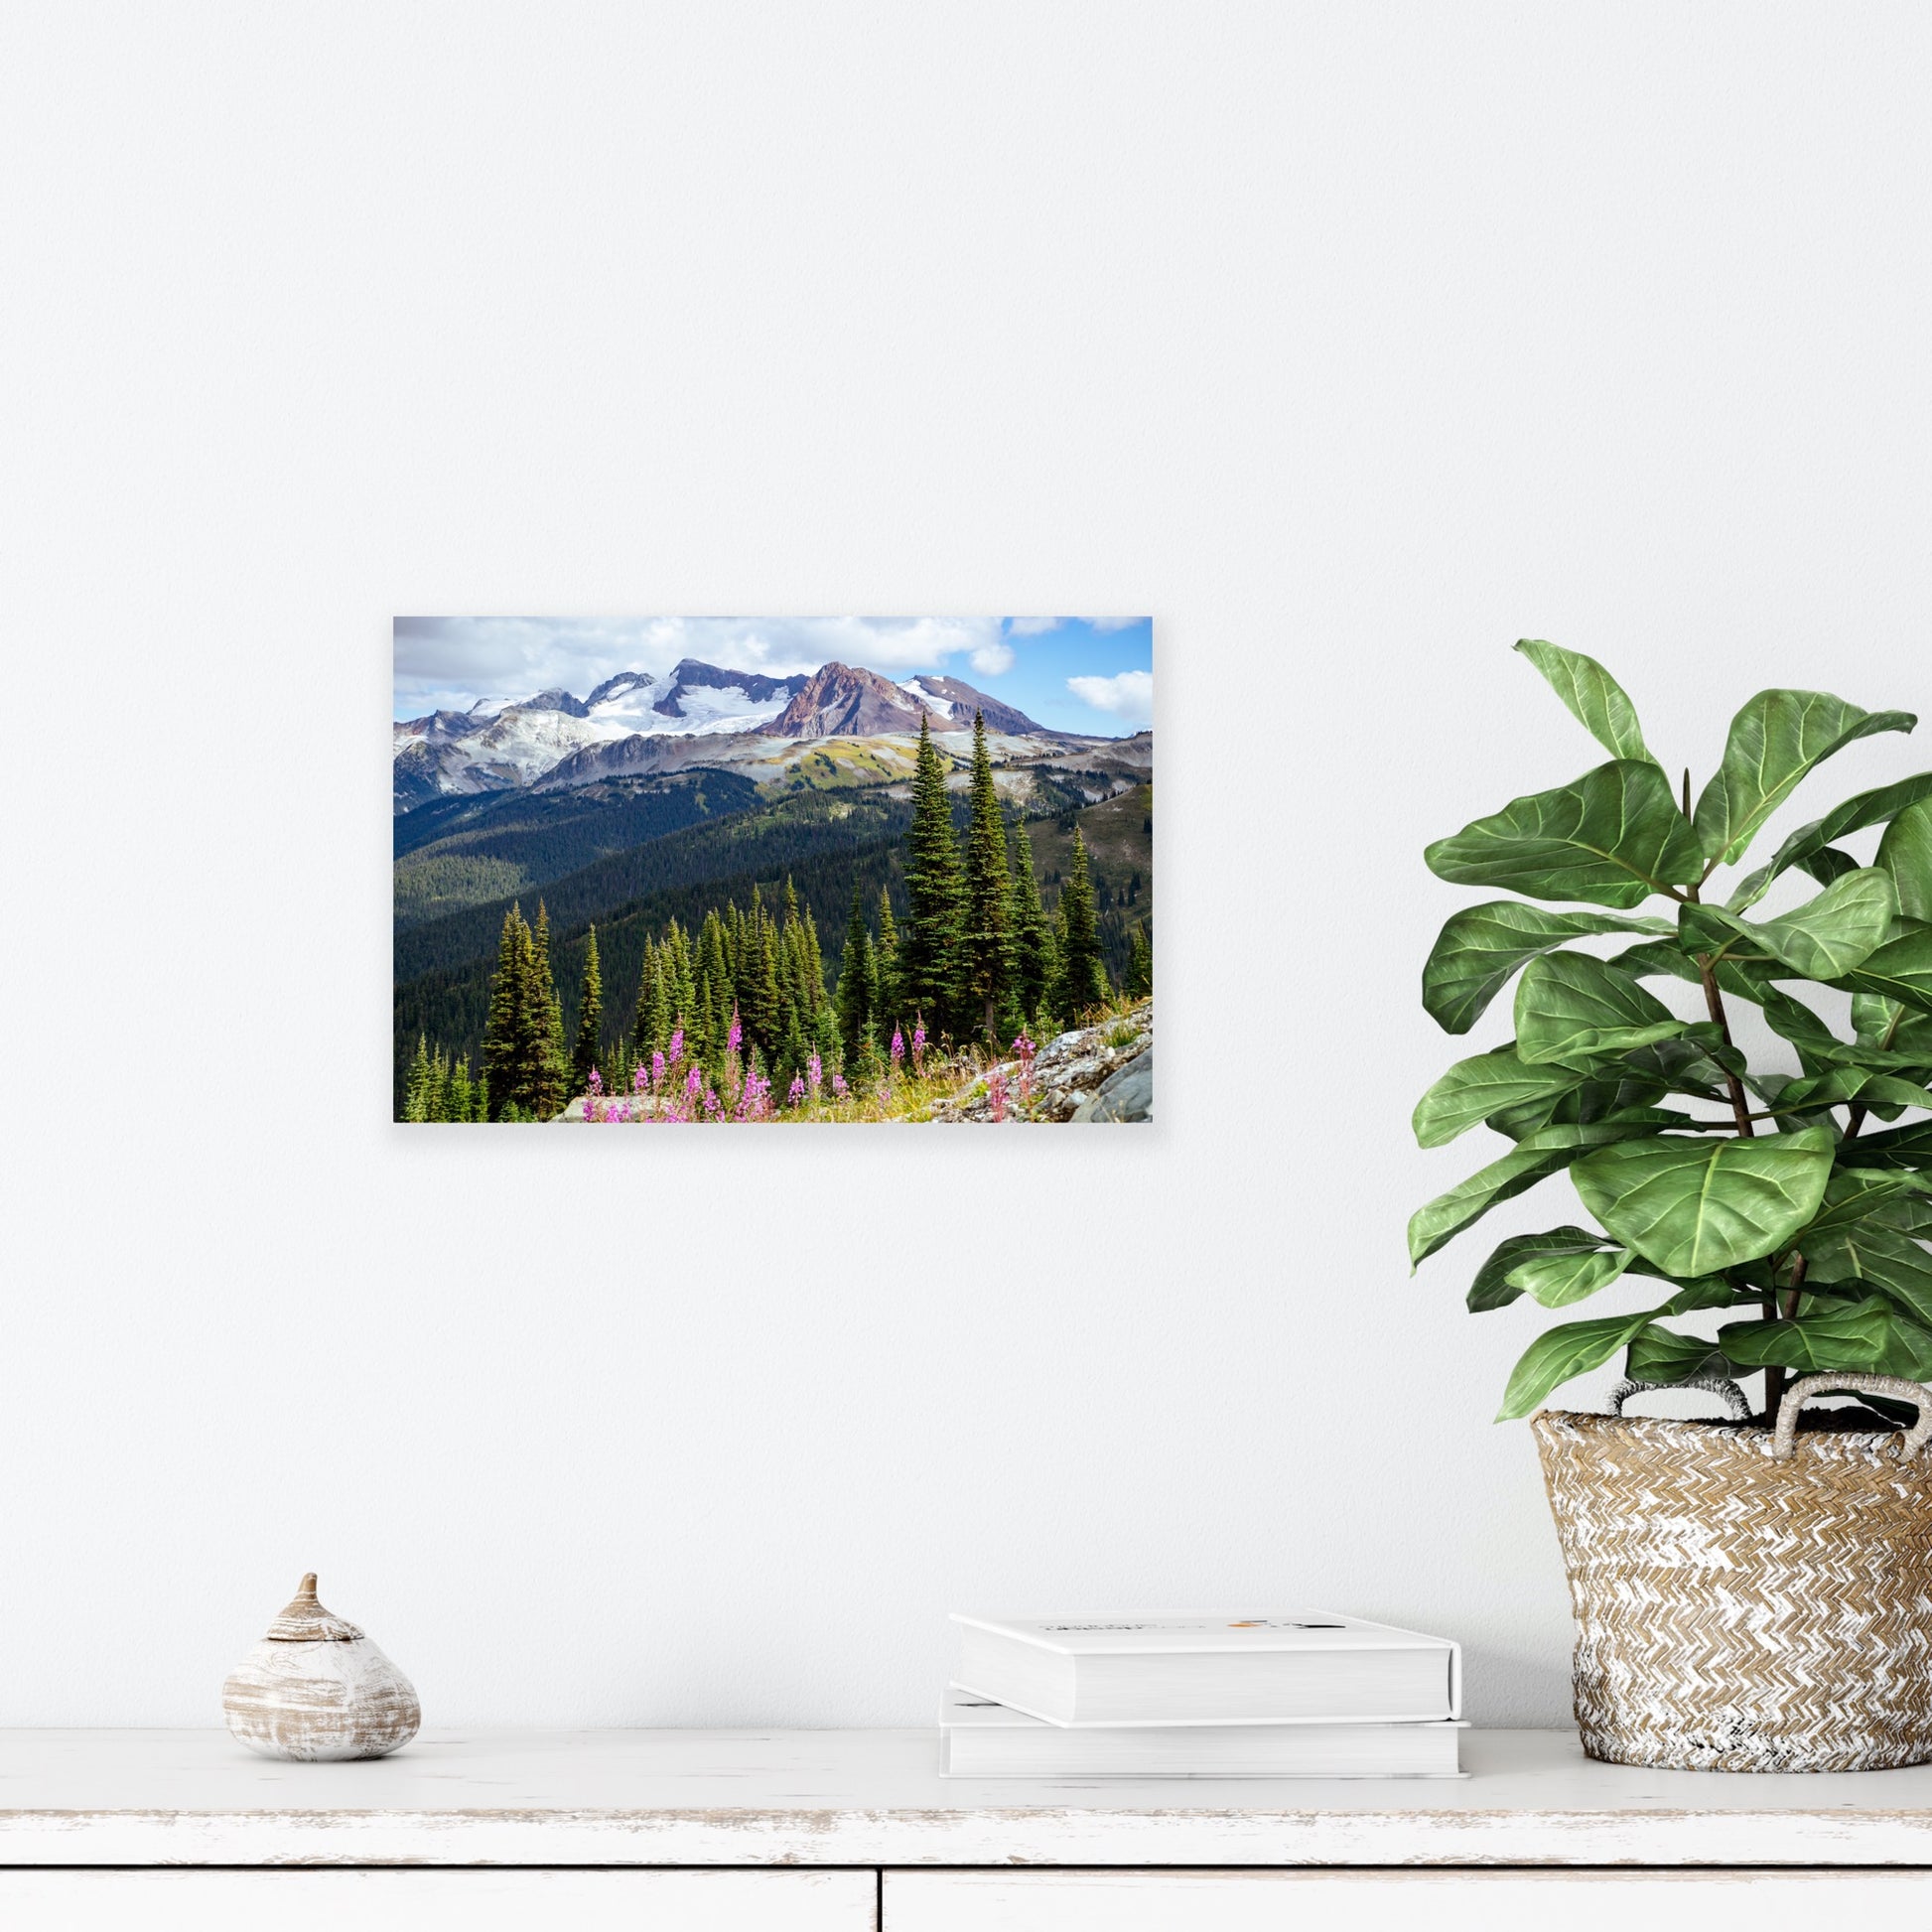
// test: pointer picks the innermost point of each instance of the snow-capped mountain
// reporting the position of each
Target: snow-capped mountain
(556, 736)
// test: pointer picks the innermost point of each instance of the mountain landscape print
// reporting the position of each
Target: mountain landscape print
(773, 871)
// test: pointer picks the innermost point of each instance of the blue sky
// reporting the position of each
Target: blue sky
(1078, 674)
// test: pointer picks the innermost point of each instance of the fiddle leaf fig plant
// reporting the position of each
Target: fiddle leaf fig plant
(1766, 1194)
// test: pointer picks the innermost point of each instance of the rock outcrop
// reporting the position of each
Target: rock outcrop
(1101, 1074)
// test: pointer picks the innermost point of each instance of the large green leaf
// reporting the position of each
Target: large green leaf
(1612, 838)
(1571, 1007)
(1475, 1088)
(1849, 1338)
(1558, 1280)
(1659, 1354)
(1695, 1207)
(1828, 935)
(1596, 699)
(1559, 1353)
(1592, 1100)
(1492, 1288)
(1535, 1159)
(1906, 852)
(1897, 1146)
(1775, 739)
(1857, 1237)
(1838, 1084)
(1900, 970)
(1481, 946)
(1811, 842)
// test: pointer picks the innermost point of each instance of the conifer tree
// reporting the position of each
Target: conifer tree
(463, 1091)
(549, 1064)
(1140, 968)
(886, 1004)
(857, 989)
(1034, 962)
(1083, 973)
(986, 966)
(590, 1021)
(640, 1026)
(415, 1103)
(508, 1002)
(826, 1044)
(926, 974)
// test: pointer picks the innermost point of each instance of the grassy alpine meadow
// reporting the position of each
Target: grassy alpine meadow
(936, 910)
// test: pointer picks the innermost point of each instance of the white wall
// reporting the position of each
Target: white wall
(1352, 341)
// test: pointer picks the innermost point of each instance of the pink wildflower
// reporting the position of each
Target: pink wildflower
(815, 1069)
(658, 1069)
(899, 1047)
(1025, 1049)
(637, 1078)
(694, 1083)
(918, 1045)
(596, 1081)
(839, 1086)
(594, 1111)
(710, 1104)
(735, 1038)
(796, 1091)
(996, 1092)
(677, 1045)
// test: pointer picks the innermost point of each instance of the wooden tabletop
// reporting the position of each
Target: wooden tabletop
(874, 1798)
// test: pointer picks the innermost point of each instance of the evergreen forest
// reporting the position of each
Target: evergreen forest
(726, 956)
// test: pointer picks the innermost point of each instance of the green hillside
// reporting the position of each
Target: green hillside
(763, 843)
(457, 853)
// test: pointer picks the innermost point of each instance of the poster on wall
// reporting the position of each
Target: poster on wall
(773, 871)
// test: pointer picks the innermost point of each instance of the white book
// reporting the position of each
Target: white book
(1209, 1667)
(983, 1739)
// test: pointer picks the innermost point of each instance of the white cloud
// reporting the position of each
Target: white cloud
(989, 661)
(1031, 626)
(453, 662)
(1128, 694)
(1110, 624)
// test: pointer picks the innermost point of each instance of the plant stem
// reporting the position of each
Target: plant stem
(1792, 1293)
(1740, 1106)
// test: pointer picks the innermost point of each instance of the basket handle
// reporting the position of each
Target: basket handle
(1785, 1443)
(1722, 1386)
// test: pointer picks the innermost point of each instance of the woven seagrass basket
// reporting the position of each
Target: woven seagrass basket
(1748, 1600)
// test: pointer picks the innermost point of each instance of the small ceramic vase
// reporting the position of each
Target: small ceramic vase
(315, 1688)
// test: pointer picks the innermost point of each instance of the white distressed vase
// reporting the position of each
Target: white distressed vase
(316, 1689)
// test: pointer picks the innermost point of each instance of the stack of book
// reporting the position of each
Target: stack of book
(1200, 1695)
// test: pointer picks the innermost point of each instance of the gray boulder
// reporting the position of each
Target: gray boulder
(1127, 1095)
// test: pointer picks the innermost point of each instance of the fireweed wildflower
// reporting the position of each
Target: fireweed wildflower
(694, 1083)
(995, 1091)
(657, 1070)
(735, 1038)
(677, 1045)
(1026, 1048)
(918, 1045)
(815, 1069)
(796, 1091)
(899, 1048)
(596, 1083)
(839, 1086)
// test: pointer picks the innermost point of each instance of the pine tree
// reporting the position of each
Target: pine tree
(857, 989)
(887, 1004)
(1083, 973)
(1139, 967)
(508, 1002)
(985, 967)
(463, 1091)
(926, 972)
(415, 1104)
(1032, 937)
(590, 1021)
(549, 1064)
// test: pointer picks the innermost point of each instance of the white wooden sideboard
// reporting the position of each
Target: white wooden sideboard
(853, 1831)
